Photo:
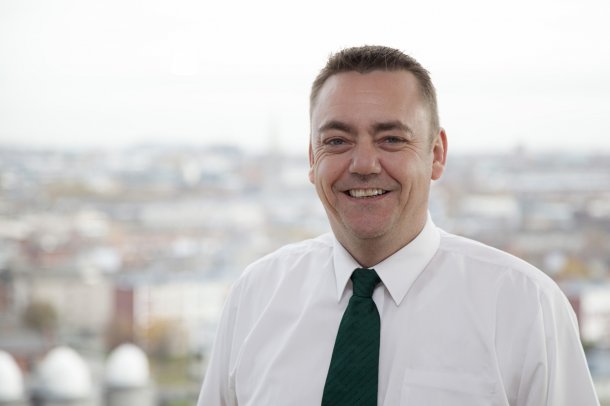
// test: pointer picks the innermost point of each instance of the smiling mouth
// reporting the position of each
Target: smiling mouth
(364, 193)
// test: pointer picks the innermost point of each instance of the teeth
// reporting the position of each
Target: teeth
(365, 192)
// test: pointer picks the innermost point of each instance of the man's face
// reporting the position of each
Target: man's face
(372, 155)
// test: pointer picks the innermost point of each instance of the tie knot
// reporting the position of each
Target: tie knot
(364, 281)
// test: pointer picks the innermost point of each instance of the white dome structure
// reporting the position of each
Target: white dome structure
(64, 375)
(127, 367)
(11, 379)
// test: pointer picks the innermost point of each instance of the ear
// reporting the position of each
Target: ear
(439, 154)
(311, 161)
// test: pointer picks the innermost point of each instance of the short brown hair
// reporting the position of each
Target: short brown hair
(369, 58)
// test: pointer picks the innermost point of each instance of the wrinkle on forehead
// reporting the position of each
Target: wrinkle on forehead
(372, 93)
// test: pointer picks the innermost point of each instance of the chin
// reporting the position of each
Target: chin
(367, 233)
(369, 228)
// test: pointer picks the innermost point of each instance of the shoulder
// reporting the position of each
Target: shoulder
(516, 291)
(280, 274)
(288, 259)
(480, 261)
(291, 254)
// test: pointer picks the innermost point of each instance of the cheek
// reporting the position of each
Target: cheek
(325, 169)
(410, 173)
(322, 176)
(325, 173)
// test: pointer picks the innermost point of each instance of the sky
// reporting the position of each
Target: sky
(108, 74)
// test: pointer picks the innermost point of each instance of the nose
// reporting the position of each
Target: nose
(365, 159)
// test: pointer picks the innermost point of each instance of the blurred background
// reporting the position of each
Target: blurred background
(150, 150)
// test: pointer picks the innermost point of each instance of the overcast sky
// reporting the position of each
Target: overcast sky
(80, 73)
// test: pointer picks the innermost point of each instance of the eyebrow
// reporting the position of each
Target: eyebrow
(337, 125)
(376, 128)
(391, 125)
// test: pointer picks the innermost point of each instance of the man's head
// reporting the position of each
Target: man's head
(374, 150)
(368, 58)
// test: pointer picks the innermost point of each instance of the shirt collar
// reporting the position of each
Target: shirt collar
(397, 272)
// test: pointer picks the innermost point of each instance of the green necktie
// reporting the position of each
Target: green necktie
(352, 375)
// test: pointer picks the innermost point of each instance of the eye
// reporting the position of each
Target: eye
(334, 141)
(336, 144)
(392, 139)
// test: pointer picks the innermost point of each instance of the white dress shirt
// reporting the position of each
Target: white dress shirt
(462, 324)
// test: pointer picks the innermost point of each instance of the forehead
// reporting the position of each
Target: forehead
(393, 91)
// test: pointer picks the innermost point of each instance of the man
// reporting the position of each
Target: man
(388, 309)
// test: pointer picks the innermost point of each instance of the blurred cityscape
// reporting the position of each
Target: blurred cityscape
(114, 265)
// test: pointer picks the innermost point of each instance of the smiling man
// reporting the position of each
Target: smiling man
(373, 153)
(388, 309)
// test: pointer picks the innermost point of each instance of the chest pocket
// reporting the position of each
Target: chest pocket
(436, 388)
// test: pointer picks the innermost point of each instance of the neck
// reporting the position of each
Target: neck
(371, 251)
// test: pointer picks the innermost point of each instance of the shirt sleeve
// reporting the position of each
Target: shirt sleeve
(554, 369)
(217, 389)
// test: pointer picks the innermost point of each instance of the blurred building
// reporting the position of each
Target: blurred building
(12, 392)
(127, 378)
(63, 379)
(169, 314)
(99, 248)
